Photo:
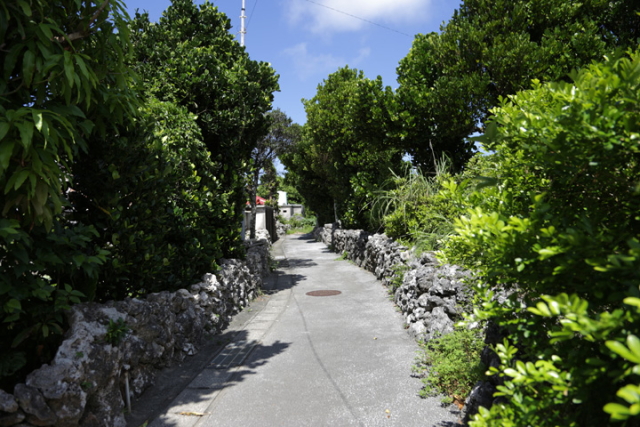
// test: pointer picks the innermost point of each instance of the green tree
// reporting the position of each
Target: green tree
(490, 49)
(268, 186)
(64, 81)
(64, 77)
(345, 153)
(287, 184)
(560, 232)
(154, 195)
(190, 58)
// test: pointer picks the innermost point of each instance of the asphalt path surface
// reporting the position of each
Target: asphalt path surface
(296, 358)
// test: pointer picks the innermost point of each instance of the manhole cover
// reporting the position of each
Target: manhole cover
(323, 293)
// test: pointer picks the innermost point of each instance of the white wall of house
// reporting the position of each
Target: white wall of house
(265, 220)
(282, 198)
(287, 211)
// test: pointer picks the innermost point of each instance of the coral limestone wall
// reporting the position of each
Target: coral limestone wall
(430, 295)
(119, 345)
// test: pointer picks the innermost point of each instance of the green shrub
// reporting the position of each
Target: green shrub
(572, 375)
(57, 94)
(300, 224)
(559, 228)
(42, 273)
(416, 210)
(452, 365)
(155, 197)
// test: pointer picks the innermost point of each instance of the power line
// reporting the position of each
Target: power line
(251, 14)
(357, 17)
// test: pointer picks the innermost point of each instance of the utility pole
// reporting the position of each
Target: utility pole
(243, 30)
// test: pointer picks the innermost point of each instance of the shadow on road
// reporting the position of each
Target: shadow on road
(199, 379)
(295, 263)
(171, 382)
(449, 423)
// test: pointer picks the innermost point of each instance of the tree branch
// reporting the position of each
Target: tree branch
(82, 34)
(15, 90)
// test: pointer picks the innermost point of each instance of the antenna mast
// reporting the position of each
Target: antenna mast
(243, 30)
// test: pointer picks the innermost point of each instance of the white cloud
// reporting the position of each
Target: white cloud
(307, 64)
(322, 16)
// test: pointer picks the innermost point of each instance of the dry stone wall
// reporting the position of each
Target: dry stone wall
(117, 347)
(431, 296)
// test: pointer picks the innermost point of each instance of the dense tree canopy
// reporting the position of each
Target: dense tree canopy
(122, 159)
(154, 194)
(489, 49)
(179, 60)
(63, 78)
(345, 153)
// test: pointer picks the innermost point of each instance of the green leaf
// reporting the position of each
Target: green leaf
(634, 345)
(42, 191)
(68, 68)
(4, 128)
(75, 110)
(622, 351)
(23, 335)
(12, 305)
(6, 150)
(629, 393)
(37, 119)
(617, 411)
(542, 309)
(632, 301)
(554, 307)
(25, 7)
(28, 67)
(83, 67)
(26, 133)
(21, 177)
(46, 30)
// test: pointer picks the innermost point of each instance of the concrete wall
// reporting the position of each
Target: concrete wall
(282, 198)
(265, 220)
(287, 211)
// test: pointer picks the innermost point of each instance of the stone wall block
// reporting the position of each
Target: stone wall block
(417, 330)
(11, 418)
(69, 406)
(34, 406)
(438, 324)
(8, 402)
(430, 294)
(141, 378)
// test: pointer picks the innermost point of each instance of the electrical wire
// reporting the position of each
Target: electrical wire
(251, 14)
(357, 17)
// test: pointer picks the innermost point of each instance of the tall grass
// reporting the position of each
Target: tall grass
(412, 210)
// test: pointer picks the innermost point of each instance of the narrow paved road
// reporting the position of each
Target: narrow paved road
(304, 360)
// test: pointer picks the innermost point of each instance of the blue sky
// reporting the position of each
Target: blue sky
(306, 40)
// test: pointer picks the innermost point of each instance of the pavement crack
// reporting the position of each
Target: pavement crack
(323, 367)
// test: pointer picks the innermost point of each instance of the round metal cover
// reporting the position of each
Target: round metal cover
(323, 293)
